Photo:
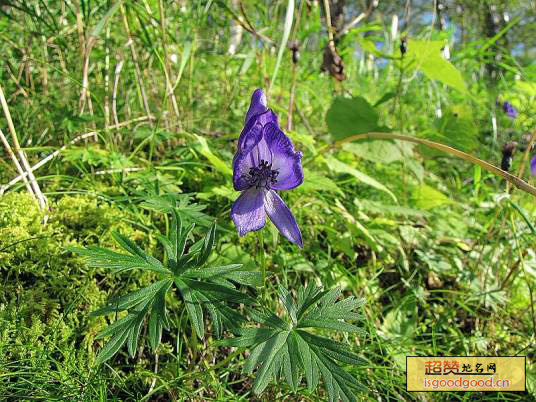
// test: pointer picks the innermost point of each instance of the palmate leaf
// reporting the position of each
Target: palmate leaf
(181, 204)
(212, 290)
(283, 348)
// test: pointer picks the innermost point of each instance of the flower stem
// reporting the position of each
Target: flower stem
(262, 257)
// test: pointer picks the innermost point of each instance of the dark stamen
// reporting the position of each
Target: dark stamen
(262, 175)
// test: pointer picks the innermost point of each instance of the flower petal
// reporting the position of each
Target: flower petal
(256, 123)
(284, 159)
(247, 211)
(282, 218)
(243, 160)
(533, 166)
(254, 150)
(257, 105)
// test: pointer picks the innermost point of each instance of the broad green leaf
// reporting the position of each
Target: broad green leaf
(376, 150)
(347, 117)
(218, 164)
(455, 128)
(315, 181)
(426, 57)
(385, 209)
(385, 98)
(356, 227)
(426, 197)
(340, 167)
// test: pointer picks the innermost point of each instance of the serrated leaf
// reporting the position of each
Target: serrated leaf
(181, 245)
(98, 257)
(248, 337)
(269, 319)
(308, 363)
(208, 243)
(218, 291)
(168, 247)
(233, 272)
(270, 350)
(291, 363)
(175, 234)
(201, 289)
(181, 203)
(134, 333)
(330, 324)
(286, 299)
(117, 326)
(132, 299)
(155, 331)
(112, 347)
(339, 351)
(280, 349)
(193, 307)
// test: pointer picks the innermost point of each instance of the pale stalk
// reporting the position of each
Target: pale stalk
(516, 181)
(35, 186)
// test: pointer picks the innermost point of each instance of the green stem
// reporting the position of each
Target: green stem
(398, 102)
(262, 257)
(516, 181)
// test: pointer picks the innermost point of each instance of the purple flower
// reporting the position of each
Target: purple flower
(509, 110)
(533, 165)
(265, 161)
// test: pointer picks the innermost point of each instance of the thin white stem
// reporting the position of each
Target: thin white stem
(107, 80)
(35, 186)
(136, 64)
(118, 68)
(16, 162)
(23, 175)
(123, 170)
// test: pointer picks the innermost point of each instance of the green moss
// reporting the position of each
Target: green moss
(47, 293)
